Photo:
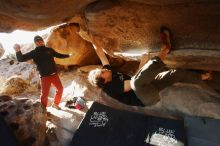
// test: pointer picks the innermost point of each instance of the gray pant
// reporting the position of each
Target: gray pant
(154, 76)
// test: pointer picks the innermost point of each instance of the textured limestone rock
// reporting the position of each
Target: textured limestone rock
(65, 40)
(16, 85)
(121, 24)
(25, 70)
(2, 51)
(189, 99)
(130, 29)
(33, 15)
(26, 118)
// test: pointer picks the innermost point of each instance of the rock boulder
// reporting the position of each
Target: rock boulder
(190, 99)
(26, 118)
(15, 85)
(65, 39)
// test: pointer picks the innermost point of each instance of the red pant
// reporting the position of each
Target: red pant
(45, 88)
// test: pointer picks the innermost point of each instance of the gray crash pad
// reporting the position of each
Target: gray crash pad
(202, 131)
(105, 126)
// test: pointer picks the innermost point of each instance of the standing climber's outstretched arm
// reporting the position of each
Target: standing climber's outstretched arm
(22, 57)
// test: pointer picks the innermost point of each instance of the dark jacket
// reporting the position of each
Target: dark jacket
(115, 88)
(43, 58)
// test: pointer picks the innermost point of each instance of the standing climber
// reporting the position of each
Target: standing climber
(43, 57)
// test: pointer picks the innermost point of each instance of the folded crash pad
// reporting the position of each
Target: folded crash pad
(105, 126)
(202, 131)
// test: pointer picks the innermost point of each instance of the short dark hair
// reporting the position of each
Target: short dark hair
(38, 38)
(100, 82)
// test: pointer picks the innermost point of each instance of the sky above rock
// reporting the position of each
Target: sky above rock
(19, 36)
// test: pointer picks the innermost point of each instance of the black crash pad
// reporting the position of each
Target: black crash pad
(7, 138)
(202, 131)
(105, 126)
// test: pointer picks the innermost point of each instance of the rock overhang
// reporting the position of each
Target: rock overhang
(122, 27)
